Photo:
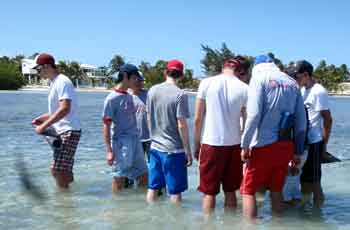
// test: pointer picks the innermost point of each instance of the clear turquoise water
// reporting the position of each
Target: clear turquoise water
(90, 205)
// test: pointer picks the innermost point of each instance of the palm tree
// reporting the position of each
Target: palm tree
(116, 62)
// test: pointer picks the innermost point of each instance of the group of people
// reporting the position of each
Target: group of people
(268, 134)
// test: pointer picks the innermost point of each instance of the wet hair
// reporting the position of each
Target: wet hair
(174, 73)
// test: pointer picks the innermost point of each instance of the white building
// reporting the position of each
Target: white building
(93, 76)
(29, 73)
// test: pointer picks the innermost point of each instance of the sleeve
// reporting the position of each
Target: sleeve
(254, 110)
(65, 91)
(321, 101)
(202, 89)
(245, 99)
(182, 109)
(107, 111)
(300, 124)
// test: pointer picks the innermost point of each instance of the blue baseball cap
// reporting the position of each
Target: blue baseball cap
(262, 59)
(129, 69)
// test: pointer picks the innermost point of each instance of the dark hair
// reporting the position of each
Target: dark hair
(174, 73)
(304, 66)
(239, 64)
(120, 77)
(244, 66)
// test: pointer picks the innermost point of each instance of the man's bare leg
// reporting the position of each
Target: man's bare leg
(117, 184)
(208, 204)
(249, 206)
(152, 196)
(230, 201)
(276, 203)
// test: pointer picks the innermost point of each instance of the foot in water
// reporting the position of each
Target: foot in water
(128, 183)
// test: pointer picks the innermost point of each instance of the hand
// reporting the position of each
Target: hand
(296, 160)
(246, 154)
(40, 129)
(37, 121)
(189, 159)
(197, 149)
(110, 158)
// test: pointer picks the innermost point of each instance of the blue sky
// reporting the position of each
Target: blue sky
(93, 31)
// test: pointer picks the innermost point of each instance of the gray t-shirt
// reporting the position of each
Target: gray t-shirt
(141, 115)
(119, 108)
(165, 104)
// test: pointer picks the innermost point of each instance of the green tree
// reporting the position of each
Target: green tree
(330, 76)
(10, 76)
(277, 61)
(71, 70)
(214, 59)
(115, 63)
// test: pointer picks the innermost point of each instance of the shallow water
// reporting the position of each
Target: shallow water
(90, 205)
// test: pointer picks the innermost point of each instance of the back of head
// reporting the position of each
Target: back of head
(174, 69)
(240, 65)
(303, 66)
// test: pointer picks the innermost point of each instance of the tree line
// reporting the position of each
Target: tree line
(328, 75)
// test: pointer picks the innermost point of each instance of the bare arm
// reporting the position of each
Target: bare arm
(183, 130)
(107, 140)
(62, 111)
(40, 119)
(327, 124)
(244, 118)
(198, 125)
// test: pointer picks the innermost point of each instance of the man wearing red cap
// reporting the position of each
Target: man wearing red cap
(62, 115)
(170, 153)
(220, 104)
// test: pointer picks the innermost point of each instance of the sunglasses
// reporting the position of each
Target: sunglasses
(39, 68)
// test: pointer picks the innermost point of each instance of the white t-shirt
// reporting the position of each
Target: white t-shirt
(224, 96)
(62, 88)
(315, 100)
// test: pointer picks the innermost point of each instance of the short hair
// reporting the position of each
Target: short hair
(173, 73)
(304, 66)
(238, 63)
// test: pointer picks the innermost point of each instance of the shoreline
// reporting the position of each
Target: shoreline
(345, 93)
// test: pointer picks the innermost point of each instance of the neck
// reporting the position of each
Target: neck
(228, 72)
(136, 91)
(309, 83)
(121, 87)
(171, 80)
(53, 75)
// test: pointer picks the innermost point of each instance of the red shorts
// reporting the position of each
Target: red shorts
(219, 164)
(267, 168)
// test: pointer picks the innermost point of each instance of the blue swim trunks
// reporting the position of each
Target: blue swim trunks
(168, 170)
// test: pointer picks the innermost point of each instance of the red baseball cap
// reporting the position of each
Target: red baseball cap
(175, 65)
(43, 59)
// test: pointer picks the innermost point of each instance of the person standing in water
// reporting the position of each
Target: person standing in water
(221, 103)
(62, 115)
(170, 154)
(123, 146)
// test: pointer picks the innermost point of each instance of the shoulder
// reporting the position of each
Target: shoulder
(319, 89)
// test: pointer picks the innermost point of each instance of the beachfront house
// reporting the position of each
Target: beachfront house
(30, 74)
(92, 76)
(95, 77)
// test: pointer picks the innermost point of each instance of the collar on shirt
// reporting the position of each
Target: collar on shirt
(121, 91)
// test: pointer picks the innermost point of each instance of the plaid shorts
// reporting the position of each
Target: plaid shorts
(63, 158)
